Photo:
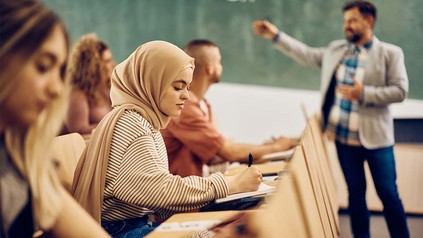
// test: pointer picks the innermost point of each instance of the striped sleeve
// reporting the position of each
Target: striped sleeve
(143, 179)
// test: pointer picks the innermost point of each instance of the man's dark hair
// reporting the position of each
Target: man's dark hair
(366, 8)
(198, 42)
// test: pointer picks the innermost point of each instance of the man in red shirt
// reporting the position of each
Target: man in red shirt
(192, 139)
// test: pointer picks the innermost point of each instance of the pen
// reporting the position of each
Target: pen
(250, 159)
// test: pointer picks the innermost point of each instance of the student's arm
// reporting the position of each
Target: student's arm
(232, 151)
(144, 180)
(78, 115)
(73, 221)
(204, 140)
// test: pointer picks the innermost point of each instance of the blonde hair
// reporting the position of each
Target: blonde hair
(29, 146)
(86, 68)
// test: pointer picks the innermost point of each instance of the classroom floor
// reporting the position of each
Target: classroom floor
(378, 225)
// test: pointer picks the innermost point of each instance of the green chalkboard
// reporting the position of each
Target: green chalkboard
(247, 59)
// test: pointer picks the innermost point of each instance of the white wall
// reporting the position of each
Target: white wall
(252, 114)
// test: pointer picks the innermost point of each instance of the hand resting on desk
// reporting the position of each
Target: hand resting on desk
(282, 143)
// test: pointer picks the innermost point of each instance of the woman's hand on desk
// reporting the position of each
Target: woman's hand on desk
(246, 181)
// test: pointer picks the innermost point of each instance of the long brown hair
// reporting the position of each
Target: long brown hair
(24, 27)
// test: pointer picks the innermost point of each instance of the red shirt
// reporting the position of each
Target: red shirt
(191, 139)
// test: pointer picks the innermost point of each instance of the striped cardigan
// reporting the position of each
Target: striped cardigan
(138, 181)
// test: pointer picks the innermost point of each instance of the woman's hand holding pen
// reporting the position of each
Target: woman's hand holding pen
(265, 29)
(246, 181)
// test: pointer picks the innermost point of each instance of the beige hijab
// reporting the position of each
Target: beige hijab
(138, 83)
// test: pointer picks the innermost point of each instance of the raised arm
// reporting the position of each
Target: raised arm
(297, 50)
(265, 29)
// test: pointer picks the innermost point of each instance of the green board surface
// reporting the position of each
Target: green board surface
(247, 59)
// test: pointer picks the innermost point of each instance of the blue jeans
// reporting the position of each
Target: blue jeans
(129, 228)
(382, 167)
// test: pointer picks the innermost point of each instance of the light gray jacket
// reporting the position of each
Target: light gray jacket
(385, 81)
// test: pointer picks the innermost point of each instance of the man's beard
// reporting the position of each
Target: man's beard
(354, 38)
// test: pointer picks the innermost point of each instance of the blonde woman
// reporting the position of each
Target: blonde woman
(33, 52)
(123, 176)
(89, 70)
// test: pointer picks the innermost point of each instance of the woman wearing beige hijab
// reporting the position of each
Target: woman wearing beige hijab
(123, 175)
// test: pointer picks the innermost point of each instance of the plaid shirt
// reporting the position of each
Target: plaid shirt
(344, 117)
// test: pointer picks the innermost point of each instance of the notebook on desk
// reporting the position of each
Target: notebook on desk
(263, 189)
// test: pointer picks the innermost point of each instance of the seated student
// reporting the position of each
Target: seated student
(33, 53)
(123, 176)
(192, 139)
(89, 70)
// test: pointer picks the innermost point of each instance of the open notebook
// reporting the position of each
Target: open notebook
(263, 189)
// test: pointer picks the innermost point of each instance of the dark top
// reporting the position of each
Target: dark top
(22, 224)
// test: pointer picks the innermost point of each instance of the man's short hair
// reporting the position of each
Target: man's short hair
(366, 8)
(198, 42)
